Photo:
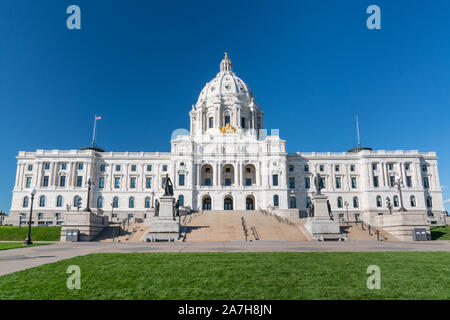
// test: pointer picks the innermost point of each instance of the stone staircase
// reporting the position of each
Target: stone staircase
(128, 233)
(227, 225)
(356, 232)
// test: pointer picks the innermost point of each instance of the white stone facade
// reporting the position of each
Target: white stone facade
(227, 161)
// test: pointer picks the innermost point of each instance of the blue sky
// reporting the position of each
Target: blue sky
(312, 65)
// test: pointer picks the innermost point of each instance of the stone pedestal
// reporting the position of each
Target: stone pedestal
(87, 223)
(402, 224)
(321, 227)
(165, 226)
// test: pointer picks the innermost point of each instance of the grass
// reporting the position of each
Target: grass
(9, 233)
(269, 275)
(13, 245)
(440, 233)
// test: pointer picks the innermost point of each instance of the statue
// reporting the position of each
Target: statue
(167, 186)
(329, 210)
(156, 208)
(318, 184)
(310, 210)
(177, 208)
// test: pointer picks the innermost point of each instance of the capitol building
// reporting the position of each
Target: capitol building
(227, 161)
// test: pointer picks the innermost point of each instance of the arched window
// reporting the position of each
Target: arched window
(25, 202)
(115, 202)
(339, 202)
(42, 201)
(429, 202)
(76, 201)
(355, 202)
(100, 202)
(412, 199)
(292, 203)
(181, 200)
(147, 202)
(59, 201)
(131, 202)
(395, 201)
(379, 203)
(276, 201)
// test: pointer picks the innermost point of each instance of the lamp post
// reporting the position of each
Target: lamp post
(346, 205)
(389, 205)
(399, 184)
(153, 197)
(89, 185)
(28, 239)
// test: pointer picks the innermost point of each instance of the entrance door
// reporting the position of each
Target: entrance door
(249, 204)
(207, 204)
(228, 204)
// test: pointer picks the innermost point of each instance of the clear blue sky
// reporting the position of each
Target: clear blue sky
(142, 64)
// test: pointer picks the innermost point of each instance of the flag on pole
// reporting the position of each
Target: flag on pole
(98, 117)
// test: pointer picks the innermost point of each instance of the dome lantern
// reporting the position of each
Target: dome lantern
(225, 64)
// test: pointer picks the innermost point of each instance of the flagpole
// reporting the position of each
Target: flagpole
(357, 130)
(93, 135)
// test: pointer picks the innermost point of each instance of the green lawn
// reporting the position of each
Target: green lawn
(13, 245)
(440, 233)
(281, 275)
(9, 233)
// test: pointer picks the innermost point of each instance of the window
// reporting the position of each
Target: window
(63, 166)
(227, 169)
(207, 182)
(58, 215)
(248, 182)
(117, 182)
(77, 201)
(291, 168)
(131, 202)
(390, 166)
(114, 215)
(181, 180)
(275, 180)
(59, 201)
(118, 167)
(133, 167)
(352, 167)
(307, 182)
(243, 123)
(292, 203)
(337, 168)
(424, 168)
(102, 168)
(132, 182)
(354, 184)
(100, 202)
(46, 165)
(276, 201)
(395, 201)
(379, 203)
(147, 202)
(374, 166)
(148, 182)
(45, 181)
(25, 202)
(291, 182)
(130, 216)
(408, 181)
(407, 166)
(28, 183)
(429, 202)
(30, 167)
(321, 167)
(227, 182)
(412, 200)
(42, 201)
(115, 202)
(227, 120)
(211, 122)
(375, 182)
(149, 167)
(338, 182)
(79, 181)
(181, 200)
(80, 166)
(40, 216)
(248, 170)
(101, 182)
(62, 181)
(339, 202)
(355, 202)
(322, 181)
(164, 167)
(392, 181)
(426, 183)
(306, 168)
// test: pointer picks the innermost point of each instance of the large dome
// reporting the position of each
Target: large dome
(225, 84)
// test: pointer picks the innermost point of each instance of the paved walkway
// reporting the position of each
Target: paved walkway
(23, 258)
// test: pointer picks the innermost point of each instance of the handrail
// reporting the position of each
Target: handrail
(255, 233)
(377, 231)
(244, 228)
